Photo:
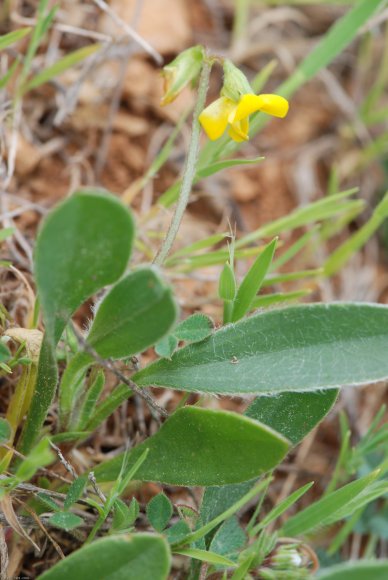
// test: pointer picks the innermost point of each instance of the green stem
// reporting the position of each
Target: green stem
(190, 167)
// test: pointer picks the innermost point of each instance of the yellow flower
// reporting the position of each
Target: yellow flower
(225, 112)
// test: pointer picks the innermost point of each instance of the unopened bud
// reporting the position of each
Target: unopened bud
(183, 70)
(227, 283)
(235, 82)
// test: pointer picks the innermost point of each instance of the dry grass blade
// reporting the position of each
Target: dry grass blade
(12, 519)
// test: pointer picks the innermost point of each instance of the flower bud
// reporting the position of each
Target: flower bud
(235, 82)
(227, 283)
(184, 69)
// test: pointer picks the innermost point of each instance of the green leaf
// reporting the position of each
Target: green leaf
(375, 490)
(317, 211)
(229, 538)
(195, 328)
(40, 456)
(83, 245)
(196, 246)
(66, 521)
(6, 233)
(293, 415)
(280, 508)
(159, 511)
(4, 352)
(166, 346)
(333, 43)
(124, 516)
(355, 242)
(202, 531)
(203, 447)
(72, 382)
(213, 168)
(218, 499)
(90, 400)
(177, 532)
(324, 510)
(12, 37)
(301, 348)
(205, 556)
(131, 557)
(47, 502)
(69, 436)
(136, 313)
(252, 282)
(120, 394)
(357, 570)
(227, 283)
(4, 80)
(5, 431)
(74, 492)
(266, 300)
(68, 61)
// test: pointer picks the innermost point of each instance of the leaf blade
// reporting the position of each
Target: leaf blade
(189, 449)
(299, 348)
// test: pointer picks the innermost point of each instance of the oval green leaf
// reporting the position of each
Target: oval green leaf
(138, 557)
(136, 313)
(203, 447)
(83, 245)
(293, 415)
(300, 348)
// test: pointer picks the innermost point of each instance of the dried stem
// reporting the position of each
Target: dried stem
(155, 409)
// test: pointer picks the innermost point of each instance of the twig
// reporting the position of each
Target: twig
(4, 560)
(98, 491)
(130, 31)
(155, 409)
(190, 167)
(114, 107)
(43, 469)
(62, 27)
(64, 461)
(40, 525)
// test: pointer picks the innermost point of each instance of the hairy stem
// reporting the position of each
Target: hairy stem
(190, 167)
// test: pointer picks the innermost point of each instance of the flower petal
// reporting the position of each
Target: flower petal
(271, 104)
(239, 130)
(214, 118)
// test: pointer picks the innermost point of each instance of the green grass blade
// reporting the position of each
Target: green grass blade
(205, 556)
(4, 80)
(217, 166)
(106, 408)
(204, 530)
(252, 282)
(197, 246)
(342, 254)
(12, 37)
(61, 66)
(324, 510)
(301, 216)
(278, 298)
(283, 506)
(292, 276)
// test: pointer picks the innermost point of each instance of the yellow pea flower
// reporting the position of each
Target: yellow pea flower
(226, 112)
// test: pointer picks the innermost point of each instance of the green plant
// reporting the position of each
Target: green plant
(303, 354)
